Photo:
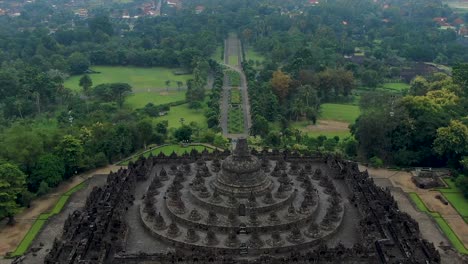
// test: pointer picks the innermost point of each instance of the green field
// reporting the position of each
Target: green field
(339, 112)
(168, 149)
(236, 121)
(443, 225)
(42, 219)
(396, 86)
(139, 78)
(183, 111)
(235, 96)
(455, 197)
(234, 78)
(250, 54)
(233, 60)
(218, 54)
(139, 100)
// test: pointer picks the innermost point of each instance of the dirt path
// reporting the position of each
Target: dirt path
(400, 183)
(11, 236)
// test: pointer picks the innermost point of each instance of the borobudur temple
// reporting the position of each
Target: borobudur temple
(244, 207)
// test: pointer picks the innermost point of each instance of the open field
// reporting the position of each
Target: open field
(139, 100)
(183, 111)
(458, 6)
(339, 112)
(140, 79)
(250, 54)
(233, 60)
(218, 55)
(396, 86)
(334, 121)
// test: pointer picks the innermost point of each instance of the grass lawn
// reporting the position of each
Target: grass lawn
(236, 121)
(139, 78)
(329, 134)
(250, 54)
(168, 149)
(183, 111)
(233, 60)
(42, 219)
(234, 78)
(218, 55)
(443, 225)
(396, 86)
(455, 197)
(235, 96)
(340, 112)
(139, 100)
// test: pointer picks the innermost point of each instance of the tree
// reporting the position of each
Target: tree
(168, 83)
(179, 85)
(70, 149)
(78, 62)
(260, 126)
(419, 86)
(145, 131)
(12, 184)
(452, 140)
(370, 78)
(183, 133)
(86, 83)
(280, 82)
(120, 91)
(49, 169)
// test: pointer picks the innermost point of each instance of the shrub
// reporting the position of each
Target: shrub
(376, 162)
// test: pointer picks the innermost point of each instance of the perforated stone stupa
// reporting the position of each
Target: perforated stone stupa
(267, 207)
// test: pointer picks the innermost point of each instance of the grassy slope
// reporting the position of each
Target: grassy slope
(139, 100)
(455, 197)
(339, 112)
(42, 219)
(250, 54)
(138, 78)
(396, 86)
(336, 112)
(443, 225)
(182, 111)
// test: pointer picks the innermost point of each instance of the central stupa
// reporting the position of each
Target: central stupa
(241, 174)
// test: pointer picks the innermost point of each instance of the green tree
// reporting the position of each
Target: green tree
(183, 133)
(86, 83)
(70, 149)
(281, 82)
(144, 131)
(260, 126)
(120, 91)
(452, 140)
(12, 184)
(49, 169)
(78, 63)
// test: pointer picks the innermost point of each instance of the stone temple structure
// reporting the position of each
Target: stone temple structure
(244, 207)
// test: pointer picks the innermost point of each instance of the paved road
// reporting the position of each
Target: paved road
(232, 47)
